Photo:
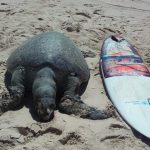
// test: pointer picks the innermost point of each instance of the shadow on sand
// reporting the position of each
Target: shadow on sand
(141, 137)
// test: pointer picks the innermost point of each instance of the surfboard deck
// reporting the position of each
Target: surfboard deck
(127, 81)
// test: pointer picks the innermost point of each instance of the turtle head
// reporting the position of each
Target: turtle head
(45, 108)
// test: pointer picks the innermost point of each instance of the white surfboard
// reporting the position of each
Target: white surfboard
(127, 81)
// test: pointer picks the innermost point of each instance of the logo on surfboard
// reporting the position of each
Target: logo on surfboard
(124, 66)
(122, 59)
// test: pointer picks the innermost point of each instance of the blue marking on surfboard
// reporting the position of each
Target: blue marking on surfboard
(139, 102)
(137, 59)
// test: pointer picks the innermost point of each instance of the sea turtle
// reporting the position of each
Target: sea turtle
(52, 67)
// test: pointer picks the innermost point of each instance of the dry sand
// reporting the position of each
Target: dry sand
(87, 23)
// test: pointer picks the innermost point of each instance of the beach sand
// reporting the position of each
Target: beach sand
(87, 23)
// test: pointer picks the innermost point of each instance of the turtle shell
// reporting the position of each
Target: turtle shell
(53, 49)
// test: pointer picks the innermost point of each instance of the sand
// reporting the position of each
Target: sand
(87, 23)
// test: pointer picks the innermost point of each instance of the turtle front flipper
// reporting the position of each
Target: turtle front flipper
(78, 108)
(16, 88)
(72, 104)
(72, 88)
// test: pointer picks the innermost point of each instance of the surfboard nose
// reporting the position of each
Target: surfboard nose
(117, 38)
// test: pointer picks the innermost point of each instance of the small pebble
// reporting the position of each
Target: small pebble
(40, 19)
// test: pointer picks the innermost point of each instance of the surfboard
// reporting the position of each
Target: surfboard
(127, 82)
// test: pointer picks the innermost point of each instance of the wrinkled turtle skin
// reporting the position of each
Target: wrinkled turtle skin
(51, 67)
